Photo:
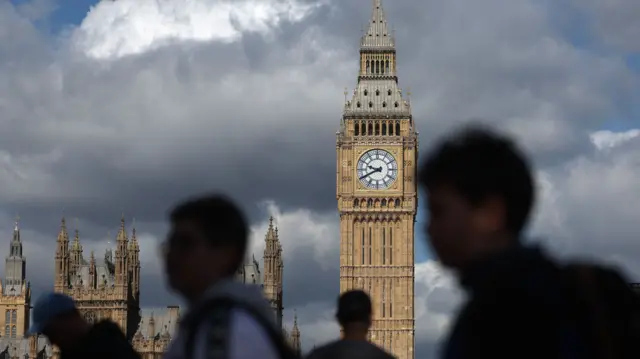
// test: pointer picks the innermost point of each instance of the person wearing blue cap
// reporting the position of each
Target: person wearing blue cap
(56, 317)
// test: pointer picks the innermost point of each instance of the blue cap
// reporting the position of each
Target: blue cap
(48, 307)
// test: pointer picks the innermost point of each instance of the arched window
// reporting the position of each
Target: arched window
(398, 129)
(377, 129)
(370, 130)
(384, 104)
(384, 133)
(389, 92)
(7, 331)
(358, 104)
(7, 316)
(396, 104)
(370, 104)
(366, 92)
(14, 316)
(370, 203)
(13, 332)
(356, 129)
(377, 92)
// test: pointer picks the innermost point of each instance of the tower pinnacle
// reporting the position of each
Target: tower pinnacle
(378, 35)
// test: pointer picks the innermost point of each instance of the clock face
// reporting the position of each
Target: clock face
(377, 169)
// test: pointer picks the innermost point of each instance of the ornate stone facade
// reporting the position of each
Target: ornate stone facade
(377, 152)
(109, 288)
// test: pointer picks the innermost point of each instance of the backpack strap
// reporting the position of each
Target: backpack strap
(215, 318)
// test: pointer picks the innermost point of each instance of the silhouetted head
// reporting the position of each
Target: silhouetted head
(480, 195)
(207, 243)
(354, 313)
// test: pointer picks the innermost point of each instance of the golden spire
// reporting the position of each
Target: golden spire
(122, 234)
(133, 244)
(63, 235)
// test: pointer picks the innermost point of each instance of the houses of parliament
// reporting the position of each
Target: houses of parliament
(108, 287)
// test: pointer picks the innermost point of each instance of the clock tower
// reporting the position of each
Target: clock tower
(377, 150)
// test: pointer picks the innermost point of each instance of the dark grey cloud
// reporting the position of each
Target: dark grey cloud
(139, 132)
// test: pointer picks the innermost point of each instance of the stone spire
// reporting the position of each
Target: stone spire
(151, 327)
(62, 259)
(15, 265)
(133, 262)
(121, 256)
(272, 282)
(92, 271)
(378, 35)
(295, 334)
(75, 254)
(377, 95)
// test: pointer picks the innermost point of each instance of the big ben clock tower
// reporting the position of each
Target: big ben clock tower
(377, 150)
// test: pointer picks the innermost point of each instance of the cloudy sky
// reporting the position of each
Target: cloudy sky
(130, 105)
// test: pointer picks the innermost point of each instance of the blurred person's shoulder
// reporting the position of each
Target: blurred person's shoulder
(349, 349)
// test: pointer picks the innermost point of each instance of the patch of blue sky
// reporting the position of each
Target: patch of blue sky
(64, 14)
(422, 249)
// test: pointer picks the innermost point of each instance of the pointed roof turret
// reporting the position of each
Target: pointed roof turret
(295, 334)
(16, 230)
(76, 246)
(295, 330)
(133, 243)
(63, 235)
(271, 239)
(122, 233)
(272, 231)
(378, 35)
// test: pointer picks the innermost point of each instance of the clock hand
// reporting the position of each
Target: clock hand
(379, 169)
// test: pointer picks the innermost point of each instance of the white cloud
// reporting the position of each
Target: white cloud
(114, 29)
(609, 139)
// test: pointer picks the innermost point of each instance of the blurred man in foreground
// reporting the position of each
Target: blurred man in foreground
(226, 319)
(522, 304)
(354, 316)
(56, 317)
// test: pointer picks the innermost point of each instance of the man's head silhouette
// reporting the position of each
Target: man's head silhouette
(480, 194)
(354, 314)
